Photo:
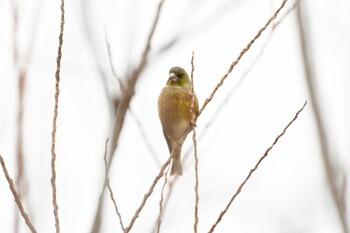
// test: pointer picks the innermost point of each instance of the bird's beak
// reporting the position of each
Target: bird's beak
(172, 77)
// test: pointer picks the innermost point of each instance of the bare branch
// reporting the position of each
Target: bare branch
(54, 124)
(110, 189)
(193, 123)
(254, 169)
(16, 196)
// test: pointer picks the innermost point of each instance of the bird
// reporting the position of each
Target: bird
(175, 113)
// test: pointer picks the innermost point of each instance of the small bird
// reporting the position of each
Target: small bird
(174, 109)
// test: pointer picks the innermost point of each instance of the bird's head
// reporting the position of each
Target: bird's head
(178, 77)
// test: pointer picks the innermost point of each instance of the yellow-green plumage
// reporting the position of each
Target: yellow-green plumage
(174, 108)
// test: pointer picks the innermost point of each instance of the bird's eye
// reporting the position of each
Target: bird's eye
(179, 75)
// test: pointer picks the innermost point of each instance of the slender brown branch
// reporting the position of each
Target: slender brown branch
(159, 218)
(16, 196)
(193, 123)
(54, 124)
(238, 191)
(332, 174)
(110, 189)
(233, 64)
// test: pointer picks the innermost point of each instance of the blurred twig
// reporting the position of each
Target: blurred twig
(127, 94)
(21, 85)
(110, 189)
(54, 124)
(254, 169)
(130, 85)
(16, 196)
(22, 67)
(132, 114)
(90, 32)
(185, 29)
(331, 173)
(193, 124)
(145, 138)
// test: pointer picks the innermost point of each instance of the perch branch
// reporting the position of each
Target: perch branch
(193, 124)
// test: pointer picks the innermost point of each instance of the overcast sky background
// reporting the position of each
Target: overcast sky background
(288, 193)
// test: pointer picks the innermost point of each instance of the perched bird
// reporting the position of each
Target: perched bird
(174, 109)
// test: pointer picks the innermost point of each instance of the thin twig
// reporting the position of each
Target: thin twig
(193, 123)
(233, 64)
(54, 124)
(238, 191)
(277, 23)
(16, 196)
(114, 73)
(332, 174)
(144, 137)
(159, 218)
(110, 189)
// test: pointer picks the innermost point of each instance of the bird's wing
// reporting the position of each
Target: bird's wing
(168, 141)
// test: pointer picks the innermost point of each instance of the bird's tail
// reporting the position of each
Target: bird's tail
(176, 167)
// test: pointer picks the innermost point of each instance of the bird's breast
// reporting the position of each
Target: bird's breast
(174, 107)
